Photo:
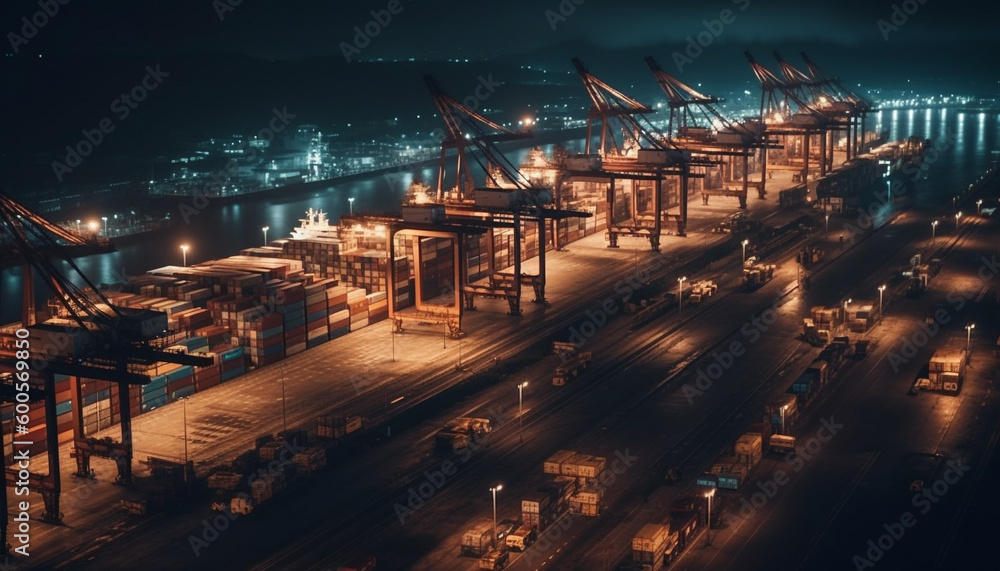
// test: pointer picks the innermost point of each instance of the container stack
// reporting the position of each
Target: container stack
(749, 450)
(649, 545)
(378, 307)
(231, 363)
(339, 316)
(403, 290)
(946, 369)
(192, 319)
(357, 304)
(154, 394)
(266, 340)
(335, 426)
(291, 304)
(207, 377)
(582, 471)
(310, 461)
(180, 383)
(215, 334)
(762, 429)
(317, 316)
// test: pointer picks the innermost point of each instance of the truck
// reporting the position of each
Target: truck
(478, 540)
(756, 274)
(461, 432)
(571, 368)
(521, 538)
(495, 560)
(649, 545)
(782, 443)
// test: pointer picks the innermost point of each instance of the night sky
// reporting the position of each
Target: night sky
(289, 29)
(230, 65)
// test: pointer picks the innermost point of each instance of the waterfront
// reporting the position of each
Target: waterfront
(963, 144)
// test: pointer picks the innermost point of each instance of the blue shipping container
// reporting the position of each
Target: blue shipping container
(153, 395)
(314, 317)
(182, 373)
(271, 332)
(100, 395)
(64, 407)
(230, 354)
(273, 349)
(334, 333)
(228, 375)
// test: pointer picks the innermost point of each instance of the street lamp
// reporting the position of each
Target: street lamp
(184, 250)
(265, 229)
(680, 293)
(94, 226)
(934, 230)
(709, 494)
(881, 289)
(351, 202)
(828, 222)
(783, 407)
(745, 242)
(958, 216)
(846, 303)
(979, 207)
(494, 490)
(105, 219)
(77, 226)
(520, 401)
(968, 341)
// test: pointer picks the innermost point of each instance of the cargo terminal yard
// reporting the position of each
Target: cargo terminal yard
(606, 417)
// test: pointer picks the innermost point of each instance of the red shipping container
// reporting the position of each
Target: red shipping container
(180, 384)
(206, 384)
(316, 325)
(316, 307)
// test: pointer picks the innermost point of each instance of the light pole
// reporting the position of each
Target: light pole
(846, 303)
(494, 490)
(77, 226)
(979, 207)
(934, 231)
(958, 216)
(968, 341)
(520, 402)
(827, 216)
(745, 242)
(265, 229)
(709, 494)
(881, 289)
(680, 293)
(351, 202)
(783, 407)
(184, 252)
(105, 219)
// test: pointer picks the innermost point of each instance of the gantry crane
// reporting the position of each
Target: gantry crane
(860, 105)
(785, 111)
(90, 338)
(642, 154)
(507, 199)
(696, 124)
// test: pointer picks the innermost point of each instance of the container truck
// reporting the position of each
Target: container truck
(521, 538)
(478, 540)
(572, 368)
(782, 444)
(495, 560)
(649, 545)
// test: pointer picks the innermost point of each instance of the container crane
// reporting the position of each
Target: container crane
(90, 338)
(696, 124)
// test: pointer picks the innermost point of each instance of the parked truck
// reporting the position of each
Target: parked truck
(495, 560)
(782, 444)
(461, 432)
(521, 538)
(478, 540)
(649, 545)
(571, 368)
